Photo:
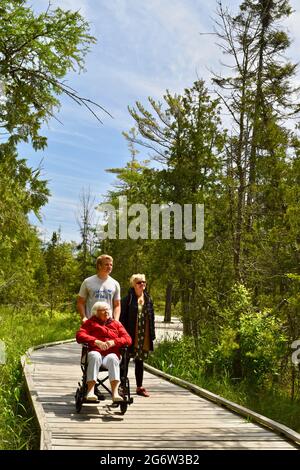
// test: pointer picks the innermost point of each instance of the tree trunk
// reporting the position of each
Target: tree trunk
(185, 306)
(168, 302)
(237, 361)
(258, 114)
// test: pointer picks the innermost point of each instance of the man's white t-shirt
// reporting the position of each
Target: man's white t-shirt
(93, 289)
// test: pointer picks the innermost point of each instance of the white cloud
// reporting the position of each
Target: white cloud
(162, 38)
(75, 5)
(68, 133)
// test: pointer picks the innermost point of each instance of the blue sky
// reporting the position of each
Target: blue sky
(143, 48)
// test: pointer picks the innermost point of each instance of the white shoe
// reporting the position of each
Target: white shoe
(117, 398)
(91, 397)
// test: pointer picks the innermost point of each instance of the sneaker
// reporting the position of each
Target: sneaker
(117, 399)
(91, 397)
(142, 392)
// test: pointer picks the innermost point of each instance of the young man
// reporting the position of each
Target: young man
(99, 287)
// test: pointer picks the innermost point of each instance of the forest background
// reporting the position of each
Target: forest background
(238, 297)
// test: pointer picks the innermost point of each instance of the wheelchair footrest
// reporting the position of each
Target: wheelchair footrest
(117, 403)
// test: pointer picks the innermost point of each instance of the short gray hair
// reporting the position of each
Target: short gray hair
(101, 306)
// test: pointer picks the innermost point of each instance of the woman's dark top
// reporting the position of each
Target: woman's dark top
(141, 327)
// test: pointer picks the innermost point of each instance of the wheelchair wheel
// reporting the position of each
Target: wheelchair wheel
(123, 407)
(79, 397)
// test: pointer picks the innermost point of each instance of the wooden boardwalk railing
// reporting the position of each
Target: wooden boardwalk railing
(171, 418)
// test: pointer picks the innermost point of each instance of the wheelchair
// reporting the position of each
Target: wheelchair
(124, 387)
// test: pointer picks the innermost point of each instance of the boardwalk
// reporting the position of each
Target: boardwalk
(172, 418)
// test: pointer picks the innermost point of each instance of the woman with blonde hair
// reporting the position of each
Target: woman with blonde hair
(137, 316)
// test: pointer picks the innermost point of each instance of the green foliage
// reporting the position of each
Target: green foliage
(180, 358)
(258, 337)
(21, 191)
(238, 302)
(172, 358)
(262, 344)
(36, 52)
(62, 273)
(19, 331)
(261, 96)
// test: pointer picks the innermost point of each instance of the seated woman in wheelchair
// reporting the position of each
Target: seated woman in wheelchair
(104, 336)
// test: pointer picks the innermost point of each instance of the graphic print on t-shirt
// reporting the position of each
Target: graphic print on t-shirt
(103, 294)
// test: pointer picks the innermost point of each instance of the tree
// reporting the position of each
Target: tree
(62, 270)
(36, 52)
(86, 222)
(135, 181)
(258, 96)
(183, 135)
(21, 191)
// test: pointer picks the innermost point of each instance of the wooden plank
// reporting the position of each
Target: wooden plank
(52, 408)
(172, 417)
(154, 437)
(196, 434)
(150, 426)
(125, 448)
(81, 443)
(141, 443)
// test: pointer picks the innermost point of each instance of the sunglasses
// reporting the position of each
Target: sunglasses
(141, 282)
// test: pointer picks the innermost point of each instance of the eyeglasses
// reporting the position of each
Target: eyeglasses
(141, 282)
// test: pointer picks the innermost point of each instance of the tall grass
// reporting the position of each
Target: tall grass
(179, 358)
(19, 330)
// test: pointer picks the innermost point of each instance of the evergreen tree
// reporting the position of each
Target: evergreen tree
(63, 272)
(183, 136)
(258, 96)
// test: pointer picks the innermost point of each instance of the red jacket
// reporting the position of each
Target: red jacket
(93, 329)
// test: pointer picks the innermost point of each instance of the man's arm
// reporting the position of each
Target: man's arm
(117, 309)
(81, 308)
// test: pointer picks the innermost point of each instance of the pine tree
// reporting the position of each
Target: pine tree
(258, 96)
